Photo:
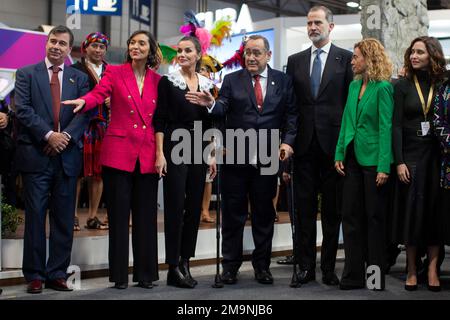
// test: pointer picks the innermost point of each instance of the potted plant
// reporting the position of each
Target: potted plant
(11, 219)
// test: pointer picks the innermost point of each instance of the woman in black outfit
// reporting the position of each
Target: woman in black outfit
(183, 182)
(416, 151)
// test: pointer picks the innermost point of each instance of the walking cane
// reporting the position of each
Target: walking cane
(218, 279)
(295, 283)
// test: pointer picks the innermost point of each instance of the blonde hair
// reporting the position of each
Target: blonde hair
(379, 66)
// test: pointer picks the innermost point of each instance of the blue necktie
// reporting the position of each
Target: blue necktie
(316, 73)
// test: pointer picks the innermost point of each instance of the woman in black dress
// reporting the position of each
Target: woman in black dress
(416, 152)
(184, 179)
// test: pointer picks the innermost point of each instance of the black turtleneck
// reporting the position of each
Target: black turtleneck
(408, 115)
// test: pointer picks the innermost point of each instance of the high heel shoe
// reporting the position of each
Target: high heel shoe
(433, 277)
(177, 279)
(184, 269)
(434, 288)
(410, 276)
(410, 287)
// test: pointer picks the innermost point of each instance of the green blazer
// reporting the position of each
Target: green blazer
(369, 125)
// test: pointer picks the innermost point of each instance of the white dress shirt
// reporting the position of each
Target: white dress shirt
(49, 66)
(323, 56)
(262, 81)
(98, 69)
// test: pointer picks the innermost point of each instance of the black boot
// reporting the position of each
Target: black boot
(184, 268)
(177, 279)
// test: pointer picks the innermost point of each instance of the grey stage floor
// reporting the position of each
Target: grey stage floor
(246, 288)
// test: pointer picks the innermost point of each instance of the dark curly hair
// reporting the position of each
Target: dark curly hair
(436, 68)
(154, 58)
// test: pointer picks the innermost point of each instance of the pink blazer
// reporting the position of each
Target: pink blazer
(130, 135)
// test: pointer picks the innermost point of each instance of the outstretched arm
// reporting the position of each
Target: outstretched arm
(95, 97)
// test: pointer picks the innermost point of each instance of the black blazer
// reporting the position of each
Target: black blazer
(237, 103)
(35, 115)
(324, 113)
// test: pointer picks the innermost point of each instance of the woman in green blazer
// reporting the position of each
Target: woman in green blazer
(363, 157)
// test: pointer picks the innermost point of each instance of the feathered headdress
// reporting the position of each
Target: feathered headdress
(211, 63)
(168, 53)
(221, 30)
(237, 60)
(193, 28)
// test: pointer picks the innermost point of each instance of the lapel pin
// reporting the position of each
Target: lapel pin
(273, 83)
(71, 80)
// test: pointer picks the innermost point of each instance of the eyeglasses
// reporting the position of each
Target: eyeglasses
(255, 52)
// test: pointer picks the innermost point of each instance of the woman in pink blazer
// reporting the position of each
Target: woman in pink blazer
(128, 159)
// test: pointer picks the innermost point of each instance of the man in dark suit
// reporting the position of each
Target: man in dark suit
(321, 76)
(49, 158)
(254, 98)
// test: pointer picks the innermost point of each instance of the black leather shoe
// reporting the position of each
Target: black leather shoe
(304, 276)
(263, 276)
(145, 284)
(184, 269)
(286, 260)
(330, 279)
(229, 277)
(120, 285)
(177, 279)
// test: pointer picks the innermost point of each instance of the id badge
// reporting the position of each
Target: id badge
(425, 127)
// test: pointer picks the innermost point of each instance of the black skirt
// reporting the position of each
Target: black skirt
(416, 219)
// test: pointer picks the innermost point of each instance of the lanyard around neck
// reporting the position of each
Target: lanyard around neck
(425, 108)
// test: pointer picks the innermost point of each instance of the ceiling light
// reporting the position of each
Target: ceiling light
(352, 4)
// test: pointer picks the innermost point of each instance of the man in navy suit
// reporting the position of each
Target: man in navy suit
(321, 75)
(256, 97)
(49, 158)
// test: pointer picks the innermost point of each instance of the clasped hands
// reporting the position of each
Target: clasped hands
(57, 143)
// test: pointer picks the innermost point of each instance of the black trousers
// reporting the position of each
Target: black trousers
(314, 173)
(364, 211)
(241, 184)
(183, 193)
(137, 193)
(54, 190)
